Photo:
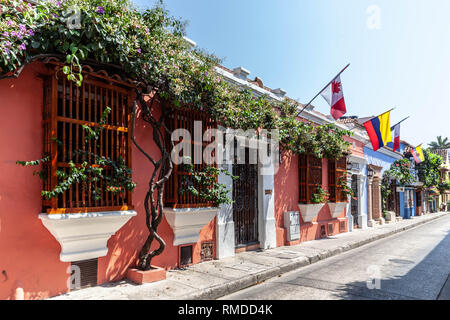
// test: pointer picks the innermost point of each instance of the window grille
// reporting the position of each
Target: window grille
(67, 108)
(179, 179)
(310, 176)
(336, 171)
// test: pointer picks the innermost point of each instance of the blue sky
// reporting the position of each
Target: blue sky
(299, 45)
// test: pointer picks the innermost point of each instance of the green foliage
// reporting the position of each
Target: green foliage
(148, 46)
(204, 183)
(444, 186)
(320, 196)
(324, 141)
(399, 171)
(428, 170)
(91, 169)
(439, 144)
(344, 188)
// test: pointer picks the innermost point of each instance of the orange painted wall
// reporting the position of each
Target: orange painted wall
(29, 254)
(286, 199)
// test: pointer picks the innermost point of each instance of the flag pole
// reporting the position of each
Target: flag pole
(399, 122)
(323, 89)
(380, 115)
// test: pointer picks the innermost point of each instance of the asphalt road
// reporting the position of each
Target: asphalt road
(411, 265)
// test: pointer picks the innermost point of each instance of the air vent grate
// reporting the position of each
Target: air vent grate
(342, 226)
(87, 271)
(207, 252)
(330, 229)
(323, 233)
(185, 256)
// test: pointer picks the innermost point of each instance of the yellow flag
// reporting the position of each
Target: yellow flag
(420, 153)
(385, 127)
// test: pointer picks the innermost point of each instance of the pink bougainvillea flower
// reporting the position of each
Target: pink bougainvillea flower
(100, 10)
(23, 46)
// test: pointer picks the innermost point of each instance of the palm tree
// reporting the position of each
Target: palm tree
(440, 144)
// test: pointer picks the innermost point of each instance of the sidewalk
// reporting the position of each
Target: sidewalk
(214, 279)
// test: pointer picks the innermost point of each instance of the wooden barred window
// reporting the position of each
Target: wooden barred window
(67, 108)
(310, 176)
(173, 197)
(336, 170)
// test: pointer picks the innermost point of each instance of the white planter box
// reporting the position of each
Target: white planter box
(337, 208)
(310, 211)
(186, 223)
(84, 236)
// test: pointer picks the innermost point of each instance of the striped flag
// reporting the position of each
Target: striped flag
(395, 132)
(417, 154)
(379, 130)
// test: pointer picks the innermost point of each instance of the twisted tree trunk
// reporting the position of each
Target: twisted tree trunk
(162, 169)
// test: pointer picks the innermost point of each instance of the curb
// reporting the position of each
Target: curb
(221, 290)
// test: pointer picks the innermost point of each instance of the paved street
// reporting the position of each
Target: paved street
(411, 265)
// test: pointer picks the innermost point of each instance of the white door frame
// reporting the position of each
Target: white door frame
(225, 235)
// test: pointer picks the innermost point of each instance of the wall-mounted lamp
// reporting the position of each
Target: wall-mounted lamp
(370, 173)
(349, 166)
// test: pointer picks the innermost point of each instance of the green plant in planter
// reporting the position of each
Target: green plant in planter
(203, 183)
(320, 196)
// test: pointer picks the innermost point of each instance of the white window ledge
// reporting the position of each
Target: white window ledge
(310, 211)
(186, 223)
(84, 236)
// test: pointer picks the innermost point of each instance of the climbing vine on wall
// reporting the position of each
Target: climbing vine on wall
(148, 47)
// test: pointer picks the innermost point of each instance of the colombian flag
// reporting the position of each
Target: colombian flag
(418, 155)
(379, 130)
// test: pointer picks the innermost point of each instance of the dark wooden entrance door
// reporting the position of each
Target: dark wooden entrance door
(245, 206)
(354, 203)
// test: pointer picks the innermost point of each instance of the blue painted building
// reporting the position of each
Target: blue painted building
(377, 162)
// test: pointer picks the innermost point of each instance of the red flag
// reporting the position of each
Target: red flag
(334, 95)
(396, 135)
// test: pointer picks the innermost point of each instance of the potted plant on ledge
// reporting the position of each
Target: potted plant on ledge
(201, 184)
(317, 202)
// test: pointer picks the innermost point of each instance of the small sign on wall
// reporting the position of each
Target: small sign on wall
(292, 225)
(400, 189)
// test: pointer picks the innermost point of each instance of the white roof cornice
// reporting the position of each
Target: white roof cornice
(310, 115)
